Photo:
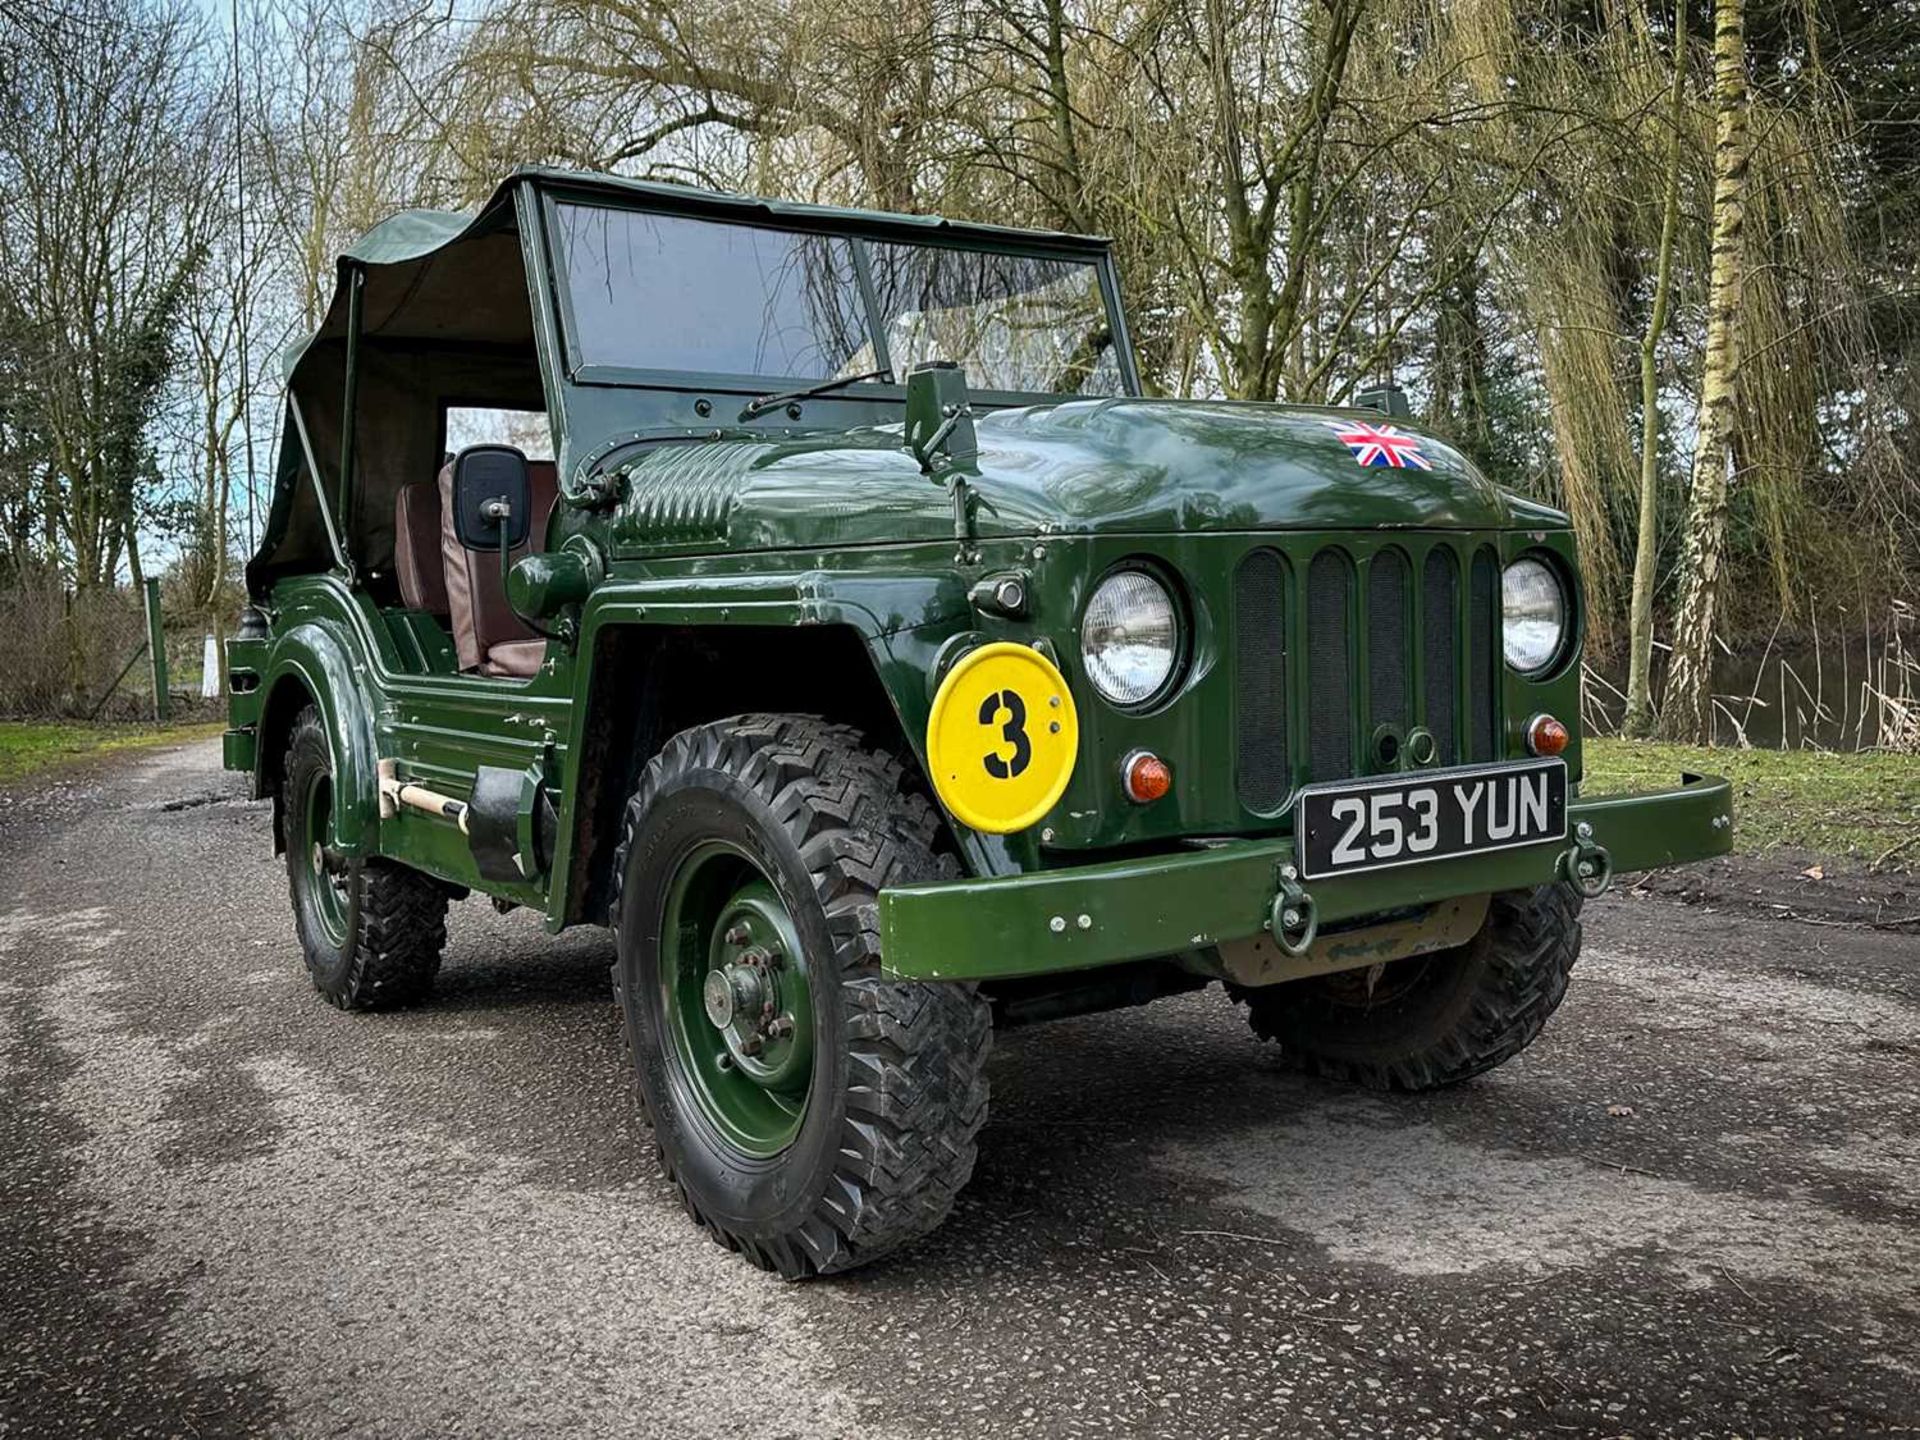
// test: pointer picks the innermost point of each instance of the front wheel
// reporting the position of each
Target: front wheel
(813, 1114)
(371, 933)
(1432, 1020)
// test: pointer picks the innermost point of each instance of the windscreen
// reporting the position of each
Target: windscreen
(672, 293)
(662, 292)
(1015, 322)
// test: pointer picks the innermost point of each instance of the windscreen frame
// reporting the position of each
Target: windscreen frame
(857, 230)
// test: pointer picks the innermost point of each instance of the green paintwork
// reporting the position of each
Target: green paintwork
(737, 1000)
(239, 750)
(675, 520)
(317, 655)
(1090, 467)
(318, 850)
(545, 584)
(1171, 905)
(157, 651)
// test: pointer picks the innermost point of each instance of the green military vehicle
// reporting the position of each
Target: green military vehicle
(814, 598)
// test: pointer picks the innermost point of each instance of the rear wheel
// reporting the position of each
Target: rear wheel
(812, 1114)
(1431, 1020)
(372, 933)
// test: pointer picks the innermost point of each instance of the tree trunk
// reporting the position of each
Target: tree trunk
(1060, 103)
(1254, 192)
(137, 575)
(1639, 716)
(219, 579)
(1305, 223)
(1689, 702)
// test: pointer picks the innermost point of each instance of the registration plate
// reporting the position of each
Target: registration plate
(1355, 825)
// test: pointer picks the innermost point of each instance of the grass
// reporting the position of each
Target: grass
(28, 749)
(1861, 807)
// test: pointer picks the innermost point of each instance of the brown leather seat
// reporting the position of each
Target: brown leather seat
(520, 658)
(416, 548)
(487, 635)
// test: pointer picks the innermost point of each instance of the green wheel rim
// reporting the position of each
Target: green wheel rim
(738, 999)
(328, 872)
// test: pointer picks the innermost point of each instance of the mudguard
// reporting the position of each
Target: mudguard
(317, 656)
(901, 617)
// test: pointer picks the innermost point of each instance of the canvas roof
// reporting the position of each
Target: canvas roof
(445, 311)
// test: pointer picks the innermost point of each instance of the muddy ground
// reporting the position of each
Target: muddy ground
(1692, 1209)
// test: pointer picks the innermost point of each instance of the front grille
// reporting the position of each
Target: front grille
(1440, 633)
(1329, 689)
(1399, 636)
(1482, 637)
(1260, 681)
(1387, 662)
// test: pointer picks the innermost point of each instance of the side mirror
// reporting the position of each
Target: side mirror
(492, 497)
(939, 427)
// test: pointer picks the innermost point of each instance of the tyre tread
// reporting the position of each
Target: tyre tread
(403, 914)
(1531, 944)
(917, 1089)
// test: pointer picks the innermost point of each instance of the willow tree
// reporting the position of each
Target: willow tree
(1563, 94)
(797, 96)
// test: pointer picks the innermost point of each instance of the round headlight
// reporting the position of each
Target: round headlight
(1534, 613)
(1130, 637)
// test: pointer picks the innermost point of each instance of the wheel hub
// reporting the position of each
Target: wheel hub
(329, 887)
(753, 994)
(731, 993)
(741, 989)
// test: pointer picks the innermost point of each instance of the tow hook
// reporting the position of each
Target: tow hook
(1586, 864)
(1295, 919)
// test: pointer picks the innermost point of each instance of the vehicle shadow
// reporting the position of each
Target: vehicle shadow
(1087, 1159)
(502, 962)
(1081, 1155)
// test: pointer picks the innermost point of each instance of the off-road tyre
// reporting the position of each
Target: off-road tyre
(1431, 1020)
(382, 953)
(898, 1087)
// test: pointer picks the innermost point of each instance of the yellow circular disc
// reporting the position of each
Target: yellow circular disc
(1003, 737)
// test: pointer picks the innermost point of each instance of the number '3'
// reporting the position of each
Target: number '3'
(1013, 732)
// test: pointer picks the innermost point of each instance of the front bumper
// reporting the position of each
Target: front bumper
(1163, 905)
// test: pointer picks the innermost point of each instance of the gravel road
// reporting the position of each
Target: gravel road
(1693, 1208)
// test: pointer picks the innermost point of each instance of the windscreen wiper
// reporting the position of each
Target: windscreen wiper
(754, 408)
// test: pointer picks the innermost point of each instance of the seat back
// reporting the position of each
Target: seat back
(416, 548)
(476, 595)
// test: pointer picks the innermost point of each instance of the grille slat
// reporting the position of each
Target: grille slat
(1329, 666)
(1260, 679)
(1482, 639)
(1439, 636)
(1387, 679)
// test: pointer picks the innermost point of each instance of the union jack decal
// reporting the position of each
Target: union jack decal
(1380, 445)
